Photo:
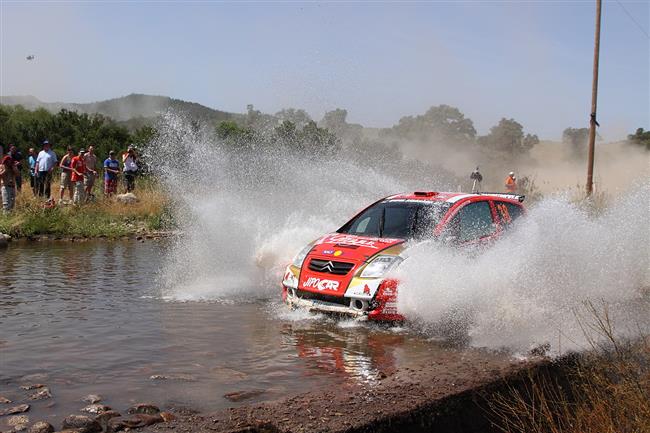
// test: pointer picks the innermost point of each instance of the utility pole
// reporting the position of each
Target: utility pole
(593, 123)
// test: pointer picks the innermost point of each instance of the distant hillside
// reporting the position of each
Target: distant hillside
(132, 109)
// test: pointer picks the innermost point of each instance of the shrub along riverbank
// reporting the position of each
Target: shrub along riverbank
(105, 217)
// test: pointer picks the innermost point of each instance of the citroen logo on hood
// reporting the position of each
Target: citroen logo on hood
(329, 266)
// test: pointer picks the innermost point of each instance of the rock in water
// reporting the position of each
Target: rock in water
(145, 408)
(42, 394)
(96, 409)
(82, 423)
(167, 416)
(13, 410)
(41, 427)
(4, 400)
(128, 198)
(136, 421)
(19, 422)
(92, 398)
(32, 386)
(243, 395)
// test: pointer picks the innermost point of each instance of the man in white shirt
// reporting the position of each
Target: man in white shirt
(129, 159)
(45, 163)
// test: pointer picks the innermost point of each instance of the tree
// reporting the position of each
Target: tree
(335, 121)
(577, 139)
(287, 133)
(508, 136)
(230, 130)
(640, 137)
(318, 140)
(298, 117)
(443, 122)
(530, 141)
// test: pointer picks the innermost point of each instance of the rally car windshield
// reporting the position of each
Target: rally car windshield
(397, 219)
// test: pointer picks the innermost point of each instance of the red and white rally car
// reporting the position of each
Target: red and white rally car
(345, 272)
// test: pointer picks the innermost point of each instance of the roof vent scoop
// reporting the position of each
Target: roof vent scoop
(425, 193)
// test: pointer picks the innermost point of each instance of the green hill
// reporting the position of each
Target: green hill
(133, 110)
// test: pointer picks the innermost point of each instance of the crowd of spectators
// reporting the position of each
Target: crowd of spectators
(78, 173)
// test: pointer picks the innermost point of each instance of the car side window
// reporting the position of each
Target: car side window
(475, 221)
(368, 223)
(508, 212)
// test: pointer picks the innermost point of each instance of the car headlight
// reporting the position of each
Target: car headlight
(300, 257)
(380, 265)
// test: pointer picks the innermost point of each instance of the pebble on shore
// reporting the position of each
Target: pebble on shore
(14, 410)
(18, 422)
(41, 427)
(92, 398)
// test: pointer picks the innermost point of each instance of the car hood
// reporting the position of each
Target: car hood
(335, 259)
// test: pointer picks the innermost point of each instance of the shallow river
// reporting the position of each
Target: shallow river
(88, 317)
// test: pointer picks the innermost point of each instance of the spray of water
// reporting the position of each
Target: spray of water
(529, 288)
(245, 211)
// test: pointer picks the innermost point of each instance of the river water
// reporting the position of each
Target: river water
(89, 317)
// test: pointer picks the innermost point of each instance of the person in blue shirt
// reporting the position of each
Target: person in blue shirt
(111, 171)
(32, 170)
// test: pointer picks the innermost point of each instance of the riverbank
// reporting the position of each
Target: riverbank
(590, 392)
(149, 215)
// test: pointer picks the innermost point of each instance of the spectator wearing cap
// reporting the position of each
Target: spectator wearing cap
(111, 172)
(78, 170)
(45, 163)
(66, 173)
(129, 159)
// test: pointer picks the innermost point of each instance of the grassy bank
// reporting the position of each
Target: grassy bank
(105, 217)
(608, 389)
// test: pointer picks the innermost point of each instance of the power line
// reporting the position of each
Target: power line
(633, 19)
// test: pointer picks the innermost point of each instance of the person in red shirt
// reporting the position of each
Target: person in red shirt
(8, 173)
(78, 168)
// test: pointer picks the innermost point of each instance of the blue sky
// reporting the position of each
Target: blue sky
(382, 60)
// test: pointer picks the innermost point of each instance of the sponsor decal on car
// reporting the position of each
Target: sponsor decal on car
(328, 252)
(321, 284)
(363, 288)
(290, 279)
(351, 240)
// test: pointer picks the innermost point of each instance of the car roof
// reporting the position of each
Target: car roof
(451, 197)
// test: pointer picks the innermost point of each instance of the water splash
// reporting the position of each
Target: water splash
(246, 211)
(527, 289)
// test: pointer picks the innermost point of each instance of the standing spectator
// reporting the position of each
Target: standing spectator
(111, 171)
(8, 173)
(78, 169)
(129, 159)
(66, 173)
(17, 156)
(45, 163)
(91, 171)
(511, 183)
(32, 170)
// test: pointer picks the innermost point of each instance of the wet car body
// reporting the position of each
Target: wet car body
(346, 272)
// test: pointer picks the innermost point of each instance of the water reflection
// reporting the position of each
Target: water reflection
(89, 318)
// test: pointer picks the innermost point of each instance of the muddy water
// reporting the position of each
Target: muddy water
(88, 317)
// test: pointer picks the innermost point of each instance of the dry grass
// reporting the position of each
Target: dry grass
(607, 391)
(103, 217)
